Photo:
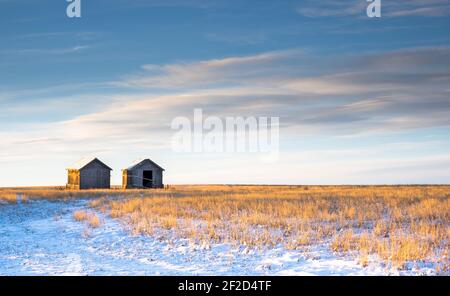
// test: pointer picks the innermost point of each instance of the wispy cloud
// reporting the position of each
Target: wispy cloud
(393, 91)
(238, 38)
(357, 8)
(46, 51)
(210, 72)
(83, 36)
(333, 8)
(428, 8)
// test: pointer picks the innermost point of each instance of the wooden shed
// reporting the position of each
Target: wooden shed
(89, 173)
(143, 173)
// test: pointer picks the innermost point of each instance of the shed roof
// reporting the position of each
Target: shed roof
(85, 161)
(140, 161)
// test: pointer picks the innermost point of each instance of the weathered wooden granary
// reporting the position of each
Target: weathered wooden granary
(89, 173)
(143, 174)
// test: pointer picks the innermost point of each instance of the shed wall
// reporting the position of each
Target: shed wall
(93, 176)
(134, 178)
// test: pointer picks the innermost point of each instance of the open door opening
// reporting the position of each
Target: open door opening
(147, 181)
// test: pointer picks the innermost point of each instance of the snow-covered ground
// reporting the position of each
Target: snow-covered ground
(42, 238)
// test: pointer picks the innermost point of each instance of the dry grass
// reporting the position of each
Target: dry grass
(61, 193)
(91, 218)
(94, 220)
(399, 224)
(8, 197)
(80, 216)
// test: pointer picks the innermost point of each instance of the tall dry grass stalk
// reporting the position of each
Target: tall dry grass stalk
(8, 197)
(91, 218)
(80, 216)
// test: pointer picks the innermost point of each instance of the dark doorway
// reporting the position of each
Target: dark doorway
(147, 182)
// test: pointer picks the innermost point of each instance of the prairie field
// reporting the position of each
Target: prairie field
(12, 195)
(403, 227)
(399, 224)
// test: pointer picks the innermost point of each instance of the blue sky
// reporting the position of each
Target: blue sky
(360, 100)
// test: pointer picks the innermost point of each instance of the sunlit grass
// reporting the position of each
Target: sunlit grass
(91, 218)
(49, 193)
(8, 197)
(399, 224)
(80, 216)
